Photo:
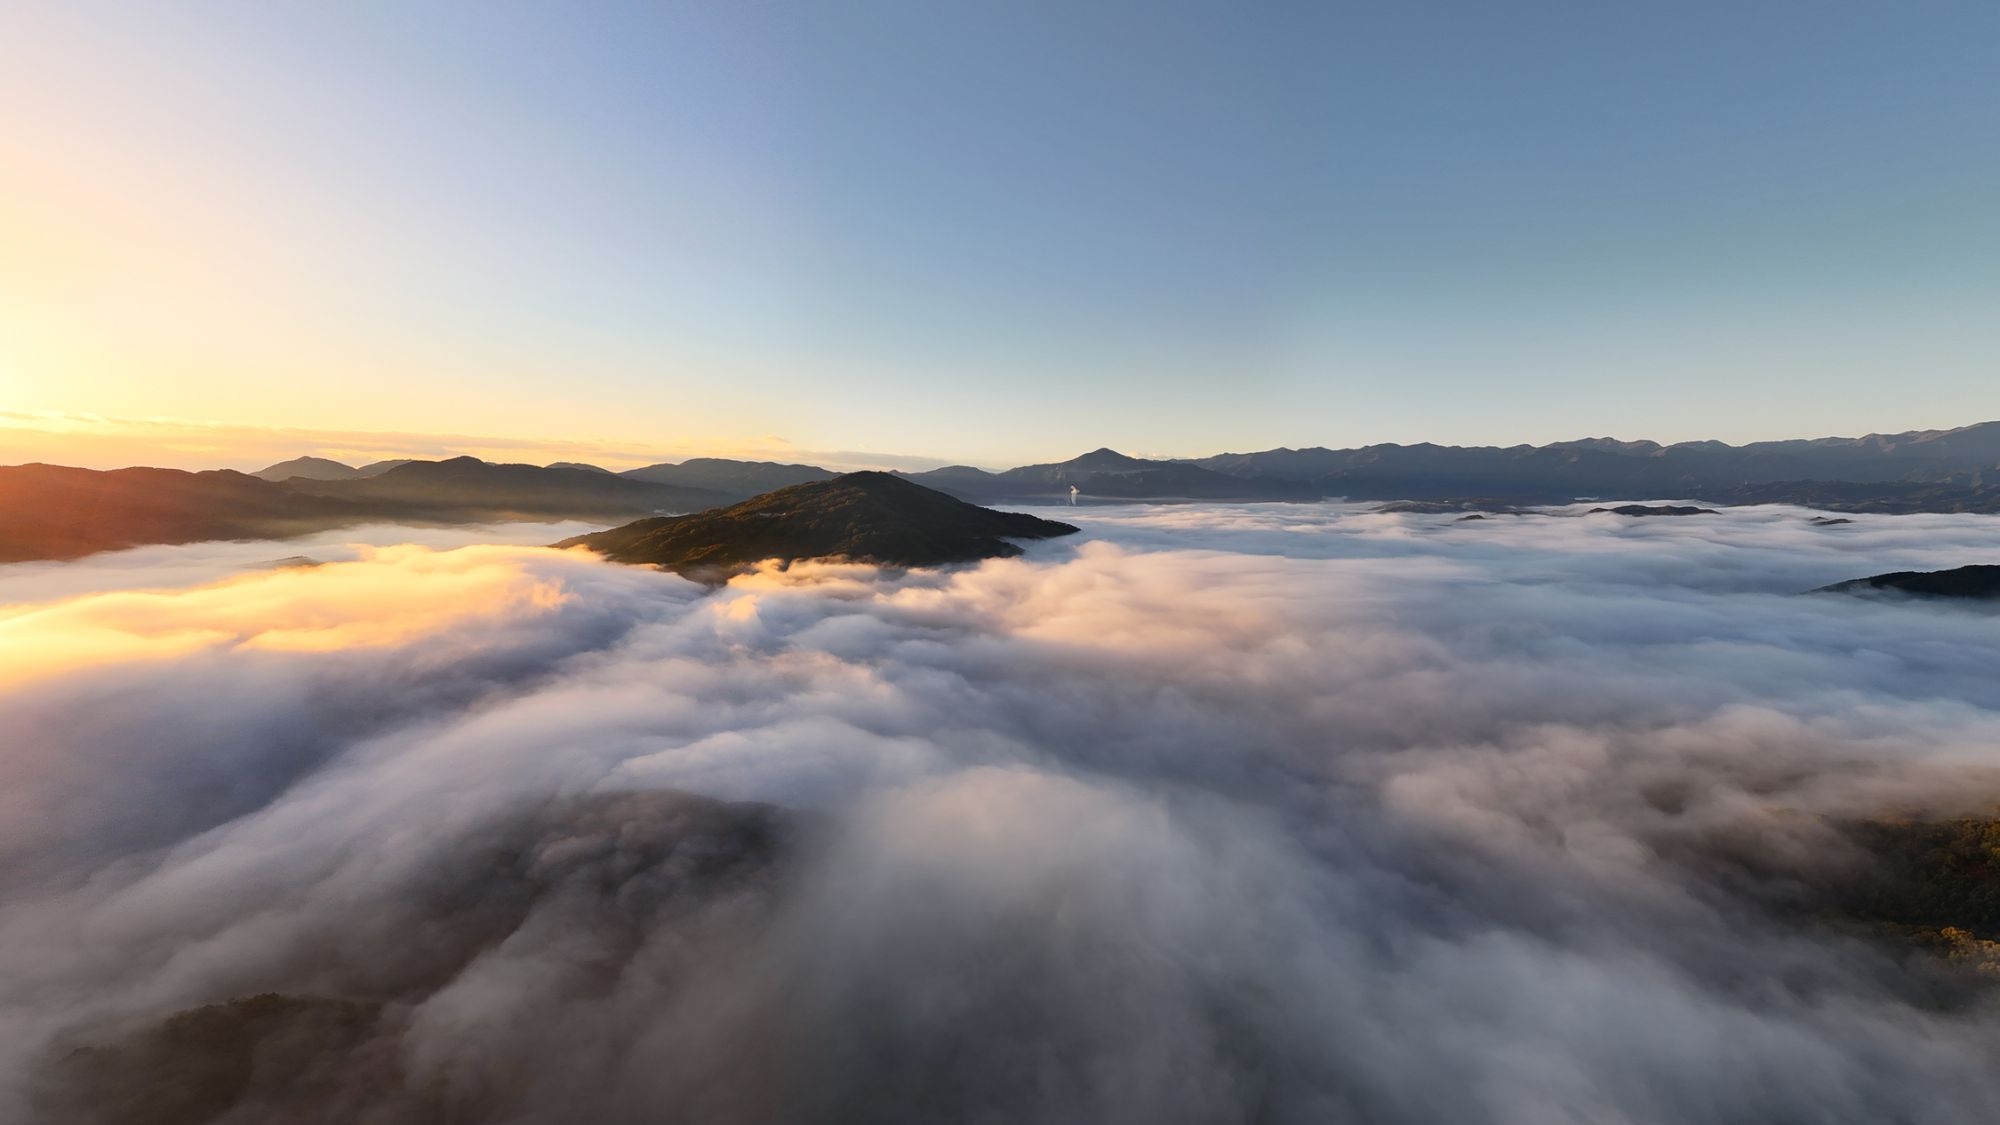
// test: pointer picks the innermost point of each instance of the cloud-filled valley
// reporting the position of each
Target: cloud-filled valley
(1260, 813)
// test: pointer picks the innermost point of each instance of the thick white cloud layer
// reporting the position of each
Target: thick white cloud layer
(1281, 813)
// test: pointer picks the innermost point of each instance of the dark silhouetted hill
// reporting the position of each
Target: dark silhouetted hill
(864, 517)
(1654, 510)
(1979, 581)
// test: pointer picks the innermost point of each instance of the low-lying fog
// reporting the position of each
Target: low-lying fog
(1264, 813)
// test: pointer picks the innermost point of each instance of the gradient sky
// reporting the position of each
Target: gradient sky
(1004, 232)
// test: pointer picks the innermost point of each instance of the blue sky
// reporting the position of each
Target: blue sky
(1007, 232)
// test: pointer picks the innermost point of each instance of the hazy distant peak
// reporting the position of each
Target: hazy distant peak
(727, 476)
(1603, 445)
(1983, 436)
(1107, 460)
(1105, 453)
(734, 462)
(310, 468)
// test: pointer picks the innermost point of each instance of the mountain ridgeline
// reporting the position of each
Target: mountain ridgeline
(479, 489)
(53, 512)
(1108, 474)
(56, 512)
(1954, 470)
(860, 517)
(1921, 470)
(1940, 463)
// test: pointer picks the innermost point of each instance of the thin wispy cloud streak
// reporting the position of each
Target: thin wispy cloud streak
(109, 443)
(1211, 813)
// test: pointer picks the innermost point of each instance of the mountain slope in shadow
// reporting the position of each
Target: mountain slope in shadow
(57, 512)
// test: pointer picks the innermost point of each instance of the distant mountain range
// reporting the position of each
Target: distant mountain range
(1958, 469)
(53, 512)
(864, 517)
(721, 478)
(1607, 468)
(1925, 470)
(1108, 474)
(468, 488)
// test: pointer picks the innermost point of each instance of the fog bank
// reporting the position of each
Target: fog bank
(1213, 813)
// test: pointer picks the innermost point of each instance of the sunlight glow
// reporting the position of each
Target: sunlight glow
(392, 596)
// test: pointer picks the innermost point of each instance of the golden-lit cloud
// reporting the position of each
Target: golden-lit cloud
(392, 596)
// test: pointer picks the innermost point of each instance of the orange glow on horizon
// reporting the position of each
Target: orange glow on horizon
(96, 442)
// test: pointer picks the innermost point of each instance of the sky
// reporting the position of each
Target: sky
(991, 233)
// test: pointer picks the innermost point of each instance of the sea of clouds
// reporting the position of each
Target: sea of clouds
(1260, 813)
